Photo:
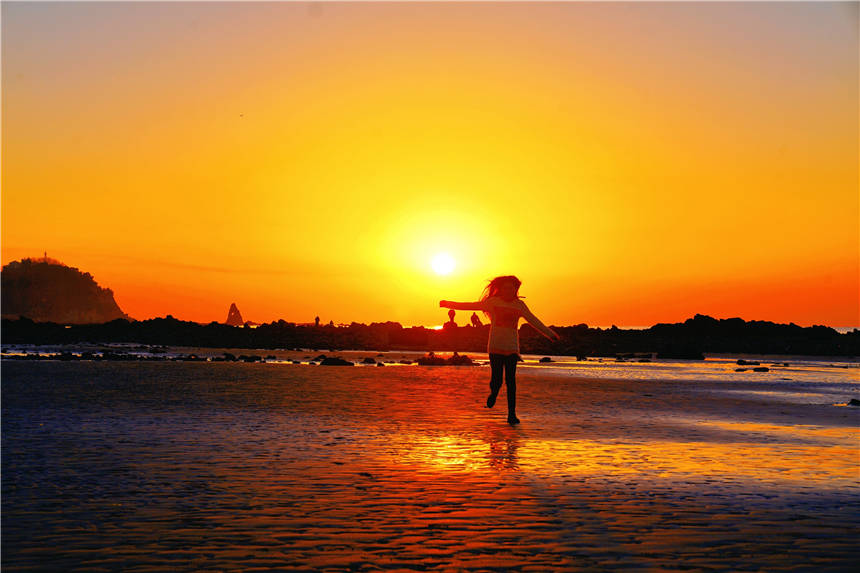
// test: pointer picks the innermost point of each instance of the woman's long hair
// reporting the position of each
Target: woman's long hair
(493, 287)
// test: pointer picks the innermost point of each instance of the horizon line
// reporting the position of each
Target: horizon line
(437, 326)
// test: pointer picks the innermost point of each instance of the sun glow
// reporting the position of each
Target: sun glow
(443, 264)
(507, 137)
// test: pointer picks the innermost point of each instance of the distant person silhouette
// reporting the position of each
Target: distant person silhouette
(500, 301)
(450, 324)
(475, 320)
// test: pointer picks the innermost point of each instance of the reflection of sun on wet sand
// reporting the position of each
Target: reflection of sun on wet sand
(235, 466)
(787, 456)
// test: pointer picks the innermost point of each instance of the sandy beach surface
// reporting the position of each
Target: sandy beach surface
(180, 466)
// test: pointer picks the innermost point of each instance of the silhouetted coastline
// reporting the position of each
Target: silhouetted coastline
(45, 289)
(688, 339)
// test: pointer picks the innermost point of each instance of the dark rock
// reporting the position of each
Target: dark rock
(761, 369)
(380, 364)
(854, 402)
(545, 359)
(431, 360)
(368, 360)
(335, 361)
(234, 317)
(740, 369)
(460, 360)
(108, 355)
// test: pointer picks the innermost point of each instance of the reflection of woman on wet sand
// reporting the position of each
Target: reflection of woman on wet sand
(501, 303)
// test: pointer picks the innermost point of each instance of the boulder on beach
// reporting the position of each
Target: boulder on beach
(460, 360)
(430, 359)
(335, 361)
(545, 359)
(456, 359)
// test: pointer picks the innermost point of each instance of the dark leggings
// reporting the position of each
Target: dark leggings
(508, 364)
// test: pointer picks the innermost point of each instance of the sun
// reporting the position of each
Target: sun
(443, 263)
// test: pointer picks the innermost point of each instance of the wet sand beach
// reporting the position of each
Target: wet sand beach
(171, 466)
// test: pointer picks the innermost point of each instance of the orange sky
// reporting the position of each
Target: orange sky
(631, 163)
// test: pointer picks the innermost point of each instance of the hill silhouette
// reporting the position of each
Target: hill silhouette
(46, 290)
(689, 339)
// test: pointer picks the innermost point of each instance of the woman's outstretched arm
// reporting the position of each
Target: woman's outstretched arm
(541, 327)
(478, 305)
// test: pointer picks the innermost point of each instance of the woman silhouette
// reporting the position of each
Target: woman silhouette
(501, 303)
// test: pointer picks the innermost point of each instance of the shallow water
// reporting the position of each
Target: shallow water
(233, 466)
(837, 370)
(818, 369)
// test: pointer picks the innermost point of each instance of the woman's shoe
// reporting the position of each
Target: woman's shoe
(513, 420)
(491, 400)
